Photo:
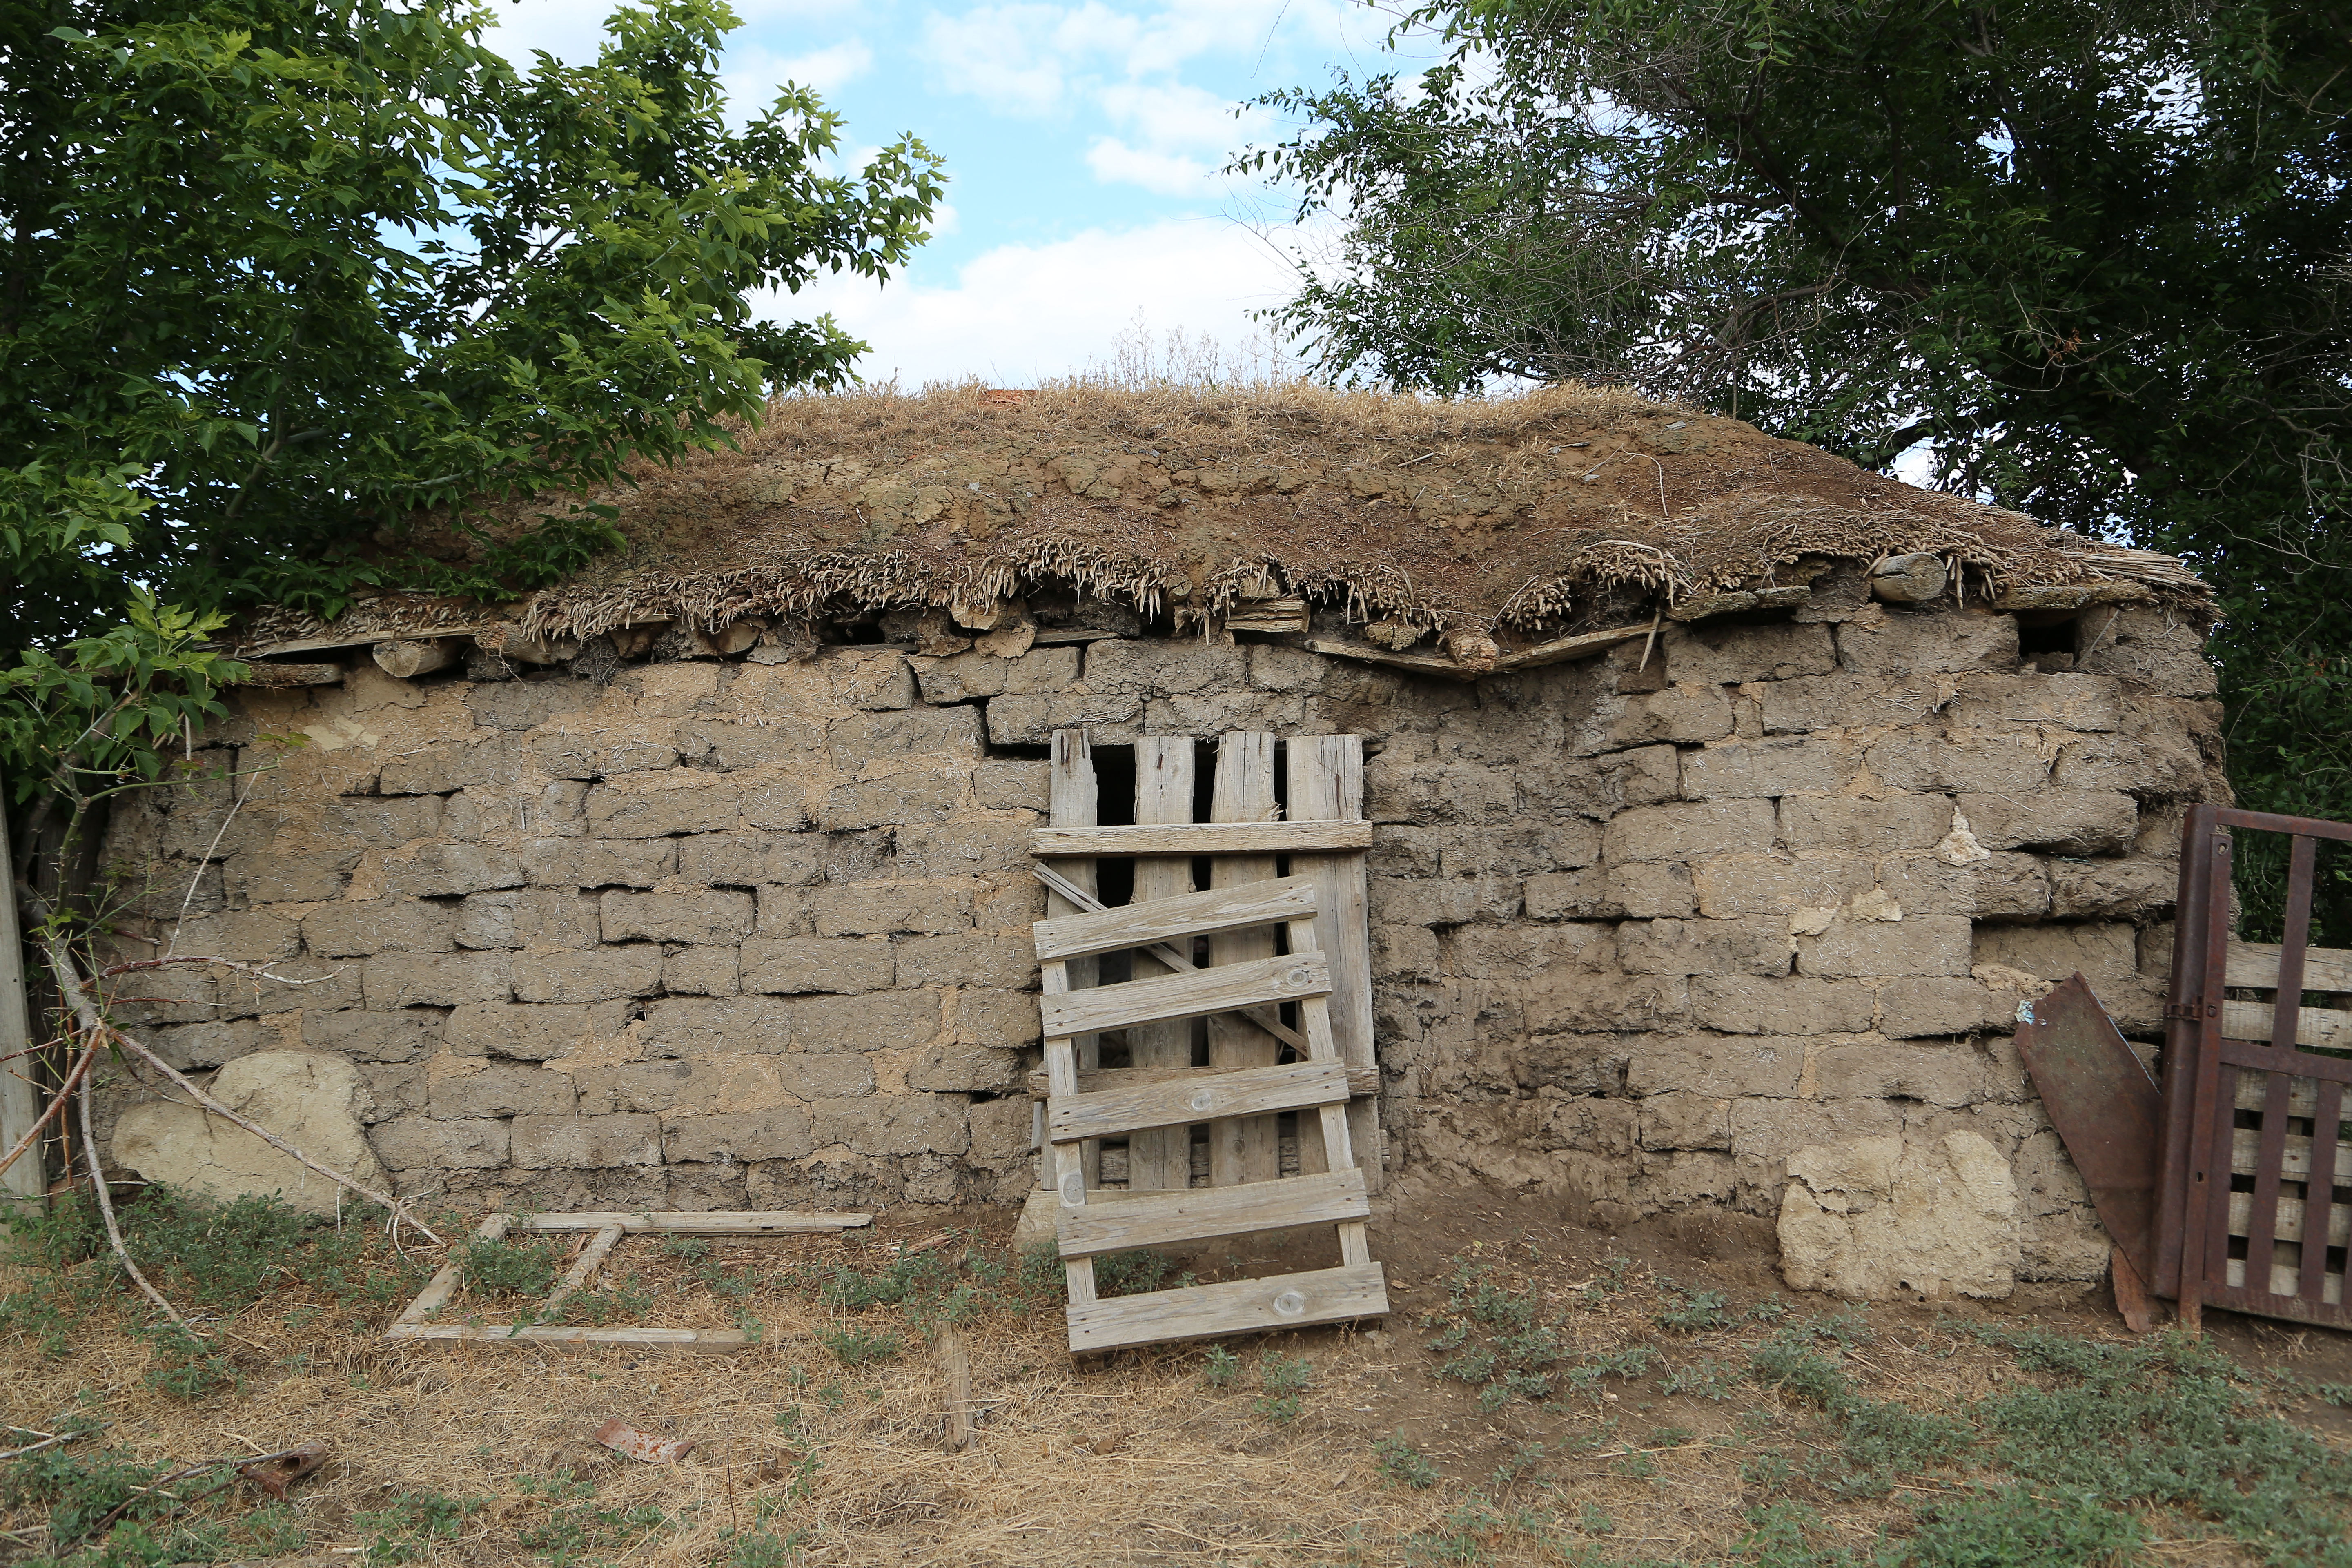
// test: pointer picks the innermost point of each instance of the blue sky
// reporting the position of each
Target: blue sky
(1082, 144)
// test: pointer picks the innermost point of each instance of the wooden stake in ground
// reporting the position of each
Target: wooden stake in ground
(955, 1365)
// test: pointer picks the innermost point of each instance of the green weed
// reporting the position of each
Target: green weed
(2009, 1526)
(185, 1366)
(1402, 1463)
(1705, 1379)
(1690, 1312)
(1282, 1381)
(860, 1347)
(1218, 1367)
(406, 1529)
(519, 1265)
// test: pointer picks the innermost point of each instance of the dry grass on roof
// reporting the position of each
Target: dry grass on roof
(1563, 508)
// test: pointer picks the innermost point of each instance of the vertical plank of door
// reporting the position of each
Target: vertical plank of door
(1327, 784)
(1069, 1174)
(1072, 801)
(1161, 1158)
(1242, 1148)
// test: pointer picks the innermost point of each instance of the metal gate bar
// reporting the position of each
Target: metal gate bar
(2217, 1072)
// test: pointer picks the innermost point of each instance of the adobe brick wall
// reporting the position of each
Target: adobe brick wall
(744, 934)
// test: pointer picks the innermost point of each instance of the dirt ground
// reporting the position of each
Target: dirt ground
(824, 1442)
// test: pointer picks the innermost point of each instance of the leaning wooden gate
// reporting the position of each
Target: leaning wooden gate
(1298, 939)
(2255, 1196)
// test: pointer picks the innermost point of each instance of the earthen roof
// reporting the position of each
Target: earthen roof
(1485, 521)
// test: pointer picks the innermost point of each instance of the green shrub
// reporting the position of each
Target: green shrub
(404, 1529)
(2013, 1528)
(860, 1347)
(1282, 1381)
(1402, 1463)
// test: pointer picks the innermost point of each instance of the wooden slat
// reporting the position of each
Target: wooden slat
(1361, 1081)
(1074, 800)
(546, 1335)
(713, 1222)
(2284, 1280)
(1247, 1092)
(599, 1248)
(2294, 1154)
(1160, 1219)
(1202, 838)
(1327, 781)
(1248, 1149)
(1069, 1176)
(2301, 1100)
(1238, 1307)
(1161, 1159)
(1139, 1005)
(2256, 964)
(2313, 1026)
(2291, 1215)
(445, 1282)
(1264, 1017)
(1175, 920)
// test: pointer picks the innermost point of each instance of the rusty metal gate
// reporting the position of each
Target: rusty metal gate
(2254, 1203)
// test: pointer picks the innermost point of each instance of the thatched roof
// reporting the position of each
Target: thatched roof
(1492, 520)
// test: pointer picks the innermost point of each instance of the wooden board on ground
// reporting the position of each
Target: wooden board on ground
(606, 1229)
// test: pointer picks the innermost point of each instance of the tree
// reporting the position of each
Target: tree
(283, 280)
(2090, 254)
(279, 277)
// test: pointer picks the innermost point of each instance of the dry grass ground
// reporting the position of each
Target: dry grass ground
(1545, 1393)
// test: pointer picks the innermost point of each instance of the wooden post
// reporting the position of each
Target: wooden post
(1161, 1158)
(1327, 784)
(1246, 1149)
(20, 1101)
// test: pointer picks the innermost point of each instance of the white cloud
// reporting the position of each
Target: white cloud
(1021, 313)
(1168, 174)
(1026, 58)
(754, 76)
(1176, 115)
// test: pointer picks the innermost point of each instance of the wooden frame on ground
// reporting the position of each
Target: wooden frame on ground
(604, 1233)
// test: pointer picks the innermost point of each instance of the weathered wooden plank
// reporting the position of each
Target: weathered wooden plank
(599, 1247)
(553, 1334)
(713, 1222)
(1263, 1018)
(2284, 1280)
(1188, 839)
(445, 1282)
(2291, 1213)
(1180, 919)
(2313, 1026)
(1268, 615)
(1139, 1005)
(1561, 649)
(1327, 782)
(1237, 1307)
(1361, 1081)
(1246, 1091)
(1160, 1219)
(1248, 1149)
(2256, 964)
(2295, 1155)
(1160, 1159)
(1069, 1176)
(1417, 663)
(1073, 798)
(2302, 1098)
